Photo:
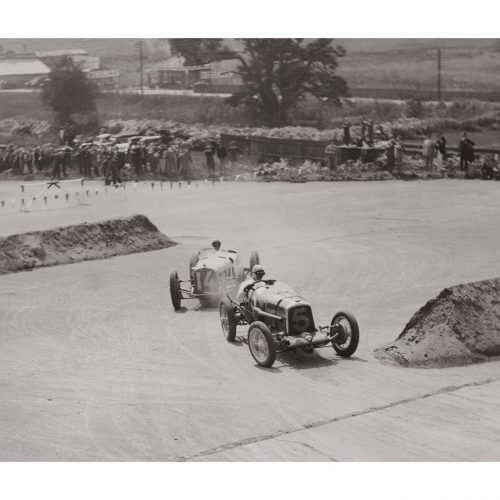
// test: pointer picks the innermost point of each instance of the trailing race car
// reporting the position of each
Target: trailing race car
(281, 320)
(212, 274)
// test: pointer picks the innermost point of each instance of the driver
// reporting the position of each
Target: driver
(216, 244)
(257, 275)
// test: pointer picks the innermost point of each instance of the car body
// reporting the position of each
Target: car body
(281, 320)
(212, 275)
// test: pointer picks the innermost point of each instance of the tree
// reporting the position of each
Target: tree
(69, 92)
(199, 51)
(276, 72)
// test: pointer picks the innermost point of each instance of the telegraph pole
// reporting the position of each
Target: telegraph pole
(140, 45)
(439, 75)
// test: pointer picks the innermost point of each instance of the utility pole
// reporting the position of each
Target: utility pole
(439, 75)
(140, 50)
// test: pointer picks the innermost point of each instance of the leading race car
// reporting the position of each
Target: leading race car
(212, 274)
(281, 320)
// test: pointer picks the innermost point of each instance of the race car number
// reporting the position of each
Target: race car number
(300, 319)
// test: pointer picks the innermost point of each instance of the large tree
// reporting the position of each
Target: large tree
(276, 72)
(69, 92)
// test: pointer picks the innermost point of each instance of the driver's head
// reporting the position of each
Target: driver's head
(216, 244)
(258, 272)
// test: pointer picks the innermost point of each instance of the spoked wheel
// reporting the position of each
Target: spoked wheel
(347, 341)
(261, 344)
(254, 259)
(228, 320)
(175, 290)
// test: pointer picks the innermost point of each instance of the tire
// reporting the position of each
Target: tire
(228, 320)
(175, 291)
(240, 276)
(254, 259)
(261, 344)
(192, 262)
(350, 342)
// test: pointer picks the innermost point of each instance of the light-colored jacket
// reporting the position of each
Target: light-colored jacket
(242, 295)
(428, 148)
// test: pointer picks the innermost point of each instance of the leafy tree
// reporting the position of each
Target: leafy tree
(69, 92)
(276, 72)
(198, 51)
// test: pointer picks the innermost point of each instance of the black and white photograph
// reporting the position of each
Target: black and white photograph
(261, 250)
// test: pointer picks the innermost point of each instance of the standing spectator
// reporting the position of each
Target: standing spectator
(209, 156)
(86, 162)
(171, 162)
(185, 164)
(162, 161)
(221, 155)
(233, 154)
(441, 152)
(153, 157)
(391, 154)
(466, 147)
(346, 129)
(428, 149)
(331, 153)
(113, 170)
(364, 126)
(56, 165)
(26, 162)
(399, 153)
(370, 132)
(37, 159)
(136, 159)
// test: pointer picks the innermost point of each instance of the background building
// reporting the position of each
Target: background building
(16, 70)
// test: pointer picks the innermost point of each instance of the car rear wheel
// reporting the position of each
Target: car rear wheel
(228, 320)
(261, 344)
(254, 259)
(175, 290)
(347, 341)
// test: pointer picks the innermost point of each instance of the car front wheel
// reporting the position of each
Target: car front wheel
(347, 341)
(261, 344)
(175, 290)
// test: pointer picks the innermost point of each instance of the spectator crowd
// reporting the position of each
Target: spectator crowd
(170, 159)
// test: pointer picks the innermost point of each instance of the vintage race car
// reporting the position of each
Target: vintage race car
(212, 275)
(281, 320)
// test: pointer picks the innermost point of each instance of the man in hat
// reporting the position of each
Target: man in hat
(209, 156)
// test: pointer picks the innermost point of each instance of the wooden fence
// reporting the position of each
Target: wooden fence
(263, 149)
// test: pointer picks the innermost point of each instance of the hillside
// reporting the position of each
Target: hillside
(382, 62)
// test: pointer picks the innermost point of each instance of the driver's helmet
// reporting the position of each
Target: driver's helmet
(258, 272)
(216, 244)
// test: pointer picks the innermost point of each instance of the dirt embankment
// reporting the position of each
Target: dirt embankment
(87, 241)
(460, 326)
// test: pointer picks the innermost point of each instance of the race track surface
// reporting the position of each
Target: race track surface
(95, 365)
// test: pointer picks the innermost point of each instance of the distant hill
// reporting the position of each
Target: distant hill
(125, 46)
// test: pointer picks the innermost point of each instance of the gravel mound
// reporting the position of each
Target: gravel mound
(460, 326)
(87, 241)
